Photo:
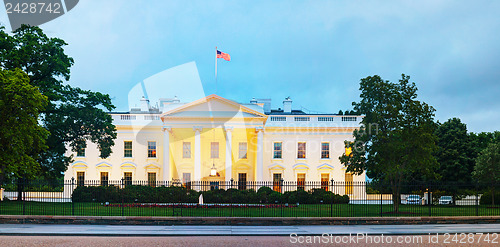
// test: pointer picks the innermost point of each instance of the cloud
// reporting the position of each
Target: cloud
(314, 51)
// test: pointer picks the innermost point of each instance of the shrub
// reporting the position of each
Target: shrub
(96, 194)
(174, 194)
(316, 196)
(486, 198)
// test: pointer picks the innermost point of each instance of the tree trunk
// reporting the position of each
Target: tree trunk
(396, 196)
(20, 188)
(493, 195)
(395, 201)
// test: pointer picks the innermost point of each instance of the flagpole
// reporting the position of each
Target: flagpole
(216, 70)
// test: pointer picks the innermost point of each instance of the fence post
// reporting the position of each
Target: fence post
(231, 196)
(331, 201)
(121, 194)
(282, 190)
(23, 181)
(71, 195)
(429, 200)
(477, 199)
(381, 204)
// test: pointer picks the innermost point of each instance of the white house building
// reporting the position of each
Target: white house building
(214, 138)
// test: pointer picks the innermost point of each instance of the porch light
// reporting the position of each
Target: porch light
(213, 171)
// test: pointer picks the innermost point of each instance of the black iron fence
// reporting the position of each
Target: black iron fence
(247, 199)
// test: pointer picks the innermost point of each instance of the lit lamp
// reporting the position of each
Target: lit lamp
(213, 171)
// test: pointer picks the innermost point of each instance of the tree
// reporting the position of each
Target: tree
(481, 140)
(487, 169)
(396, 138)
(21, 137)
(72, 115)
(454, 152)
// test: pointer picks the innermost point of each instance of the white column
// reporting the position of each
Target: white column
(260, 156)
(197, 153)
(166, 153)
(229, 160)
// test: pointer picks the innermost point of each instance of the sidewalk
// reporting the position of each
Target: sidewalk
(142, 230)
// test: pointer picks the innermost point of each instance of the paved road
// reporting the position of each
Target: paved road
(141, 230)
(233, 241)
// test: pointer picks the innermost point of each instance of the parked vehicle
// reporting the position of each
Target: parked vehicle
(414, 199)
(445, 200)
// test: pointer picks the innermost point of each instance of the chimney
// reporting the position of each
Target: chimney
(253, 101)
(287, 105)
(176, 100)
(144, 104)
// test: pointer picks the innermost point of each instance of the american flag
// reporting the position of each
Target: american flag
(223, 55)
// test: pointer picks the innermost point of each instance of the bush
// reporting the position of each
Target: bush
(174, 194)
(267, 195)
(96, 194)
(486, 198)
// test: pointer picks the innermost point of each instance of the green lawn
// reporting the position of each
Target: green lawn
(316, 210)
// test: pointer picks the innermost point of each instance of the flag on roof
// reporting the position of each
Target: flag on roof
(223, 55)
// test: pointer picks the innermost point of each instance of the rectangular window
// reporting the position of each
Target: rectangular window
(104, 178)
(127, 149)
(325, 150)
(214, 148)
(186, 150)
(301, 150)
(242, 181)
(151, 149)
(324, 181)
(80, 178)
(186, 180)
(301, 181)
(80, 151)
(242, 150)
(348, 183)
(127, 178)
(277, 182)
(152, 179)
(278, 150)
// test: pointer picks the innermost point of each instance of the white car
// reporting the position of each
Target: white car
(445, 200)
(414, 199)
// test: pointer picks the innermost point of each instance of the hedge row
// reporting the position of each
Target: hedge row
(148, 194)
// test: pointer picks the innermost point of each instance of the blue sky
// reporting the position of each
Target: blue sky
(314, 51)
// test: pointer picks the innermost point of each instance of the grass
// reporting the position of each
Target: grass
(314, 210)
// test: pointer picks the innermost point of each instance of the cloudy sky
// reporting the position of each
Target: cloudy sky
(314, 51)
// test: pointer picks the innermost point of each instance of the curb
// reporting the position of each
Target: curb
(250, 221)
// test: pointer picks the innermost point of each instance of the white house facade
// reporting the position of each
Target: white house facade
(216, 139)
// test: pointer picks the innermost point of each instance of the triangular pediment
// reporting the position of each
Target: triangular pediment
(213, 106)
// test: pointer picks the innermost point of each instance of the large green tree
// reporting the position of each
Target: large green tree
(455, 152)
(396, 139)
(21, 137)
(72, 115)
(487, 169)
(481, 140)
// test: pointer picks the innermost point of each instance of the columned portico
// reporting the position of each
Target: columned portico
(197, 153)
(260, 156)
(232, 127)
(229, 160)
(166, 152)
